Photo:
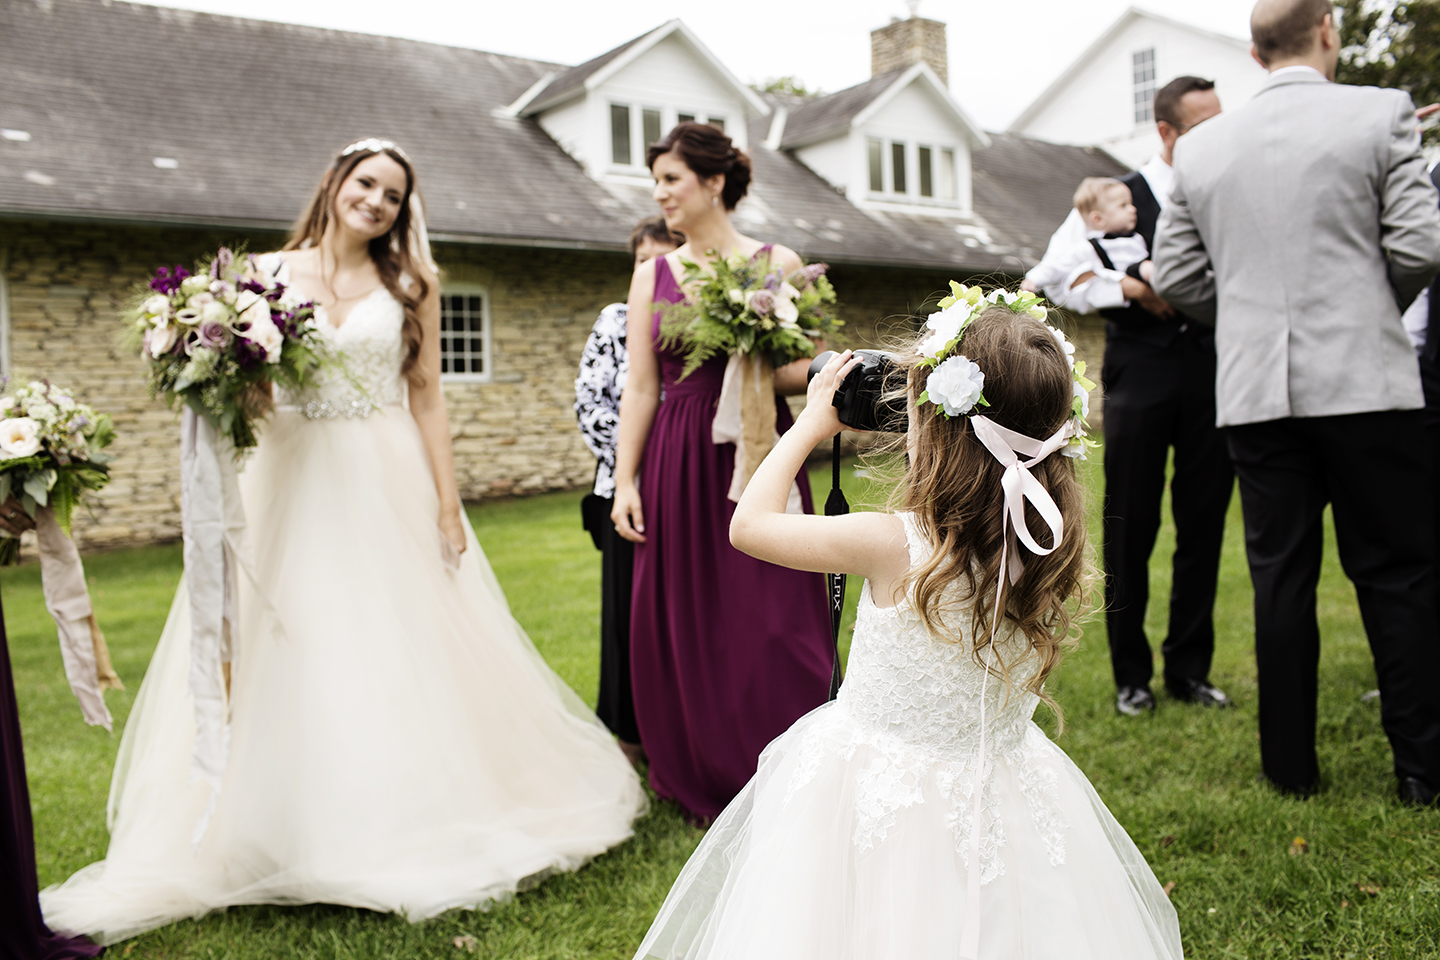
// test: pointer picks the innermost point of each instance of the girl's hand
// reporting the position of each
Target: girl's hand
(453, 529)
(628, 514)
(820, 414)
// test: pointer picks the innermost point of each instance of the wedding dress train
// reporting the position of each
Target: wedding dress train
(397, 741)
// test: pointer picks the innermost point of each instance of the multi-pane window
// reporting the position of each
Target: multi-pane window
(1144, 73)
(927, 175)
(717, 122)
(685, 118)
(465, 333)
(897, 167)
(620, 133)
(945, 176)
(651, 122)
(877, 165)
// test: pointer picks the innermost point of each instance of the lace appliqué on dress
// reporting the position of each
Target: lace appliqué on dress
(912, 702)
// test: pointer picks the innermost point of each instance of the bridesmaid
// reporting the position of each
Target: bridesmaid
(23, 934)
(726, 651)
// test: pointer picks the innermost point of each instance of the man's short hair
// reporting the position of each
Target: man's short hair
(653, 228)
(1286, 28)
(1168, 97)
(1092, 192)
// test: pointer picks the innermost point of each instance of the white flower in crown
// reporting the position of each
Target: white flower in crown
(1065, 345)
(1076, 449)
(1084, 397)
(955, 386)
(945, 325)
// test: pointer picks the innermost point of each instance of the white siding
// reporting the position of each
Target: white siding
(568, 125)
(840, 161)
(915, 118)
(677, 80)
(1097, 107)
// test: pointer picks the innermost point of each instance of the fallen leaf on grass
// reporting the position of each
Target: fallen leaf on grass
(1168, 887)
(1166, 840)
(1371, 889)
(1344, 904)
(1298, 847)
(467, 943)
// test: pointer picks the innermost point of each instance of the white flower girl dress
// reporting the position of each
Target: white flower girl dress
(852, 840)
(397, 742)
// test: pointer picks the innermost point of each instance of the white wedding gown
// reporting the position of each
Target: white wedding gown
(397, 743)
(852, 840)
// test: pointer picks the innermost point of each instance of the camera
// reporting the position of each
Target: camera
(860, 397)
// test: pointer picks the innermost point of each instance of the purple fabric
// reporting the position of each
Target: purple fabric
(23, 934)
(726, 651)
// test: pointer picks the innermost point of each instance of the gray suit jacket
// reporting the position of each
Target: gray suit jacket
(1303, 223)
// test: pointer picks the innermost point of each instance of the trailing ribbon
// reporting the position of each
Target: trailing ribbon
(82, 645)
(1018, 485)
(745, 416)
(213, 521)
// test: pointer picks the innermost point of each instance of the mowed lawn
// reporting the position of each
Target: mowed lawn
(1182, 782)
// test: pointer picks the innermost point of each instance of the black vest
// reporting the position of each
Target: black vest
(1431, 352)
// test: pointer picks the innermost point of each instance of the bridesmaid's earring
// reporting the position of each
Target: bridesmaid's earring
(715, 200)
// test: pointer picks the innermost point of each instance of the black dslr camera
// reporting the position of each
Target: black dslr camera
(861, 398)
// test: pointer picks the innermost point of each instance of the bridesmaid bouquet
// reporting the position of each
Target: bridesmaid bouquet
(52, 452)
(749, 306)
(213, 337)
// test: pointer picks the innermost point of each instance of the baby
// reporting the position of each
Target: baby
(1090, 254)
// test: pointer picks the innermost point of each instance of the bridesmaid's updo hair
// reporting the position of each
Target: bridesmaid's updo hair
(707, 152)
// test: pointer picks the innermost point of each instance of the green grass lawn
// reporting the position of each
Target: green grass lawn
(1183, 782)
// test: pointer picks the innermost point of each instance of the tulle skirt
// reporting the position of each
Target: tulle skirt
(834, 851)
(397, 741)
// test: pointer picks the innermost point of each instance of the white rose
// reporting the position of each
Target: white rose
(19, 436)
(162, 338)
(156, 306)
(214, 313)
(946, 325)
(735, 295)
(785, 310)
(6, 403)
(262, 331)
(199, 301)
(955, 385)
(193, 285)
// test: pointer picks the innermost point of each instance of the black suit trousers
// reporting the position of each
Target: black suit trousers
(1159, 397)
(1373, 468)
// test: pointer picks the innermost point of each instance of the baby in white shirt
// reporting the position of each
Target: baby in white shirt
(1074, 273)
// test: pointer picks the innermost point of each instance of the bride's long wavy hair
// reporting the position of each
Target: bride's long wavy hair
(952, 486)
(392, 252)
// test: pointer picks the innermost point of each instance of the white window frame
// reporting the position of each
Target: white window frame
(1149, 86)
(487, 335)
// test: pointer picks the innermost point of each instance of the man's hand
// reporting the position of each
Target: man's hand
(1148, 299)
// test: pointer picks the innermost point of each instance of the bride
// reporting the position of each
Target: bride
(397, 742)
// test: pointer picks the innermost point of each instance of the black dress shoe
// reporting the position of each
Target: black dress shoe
(1198, 691)
(1416, 792)
(1299, 793)
(1133, 701)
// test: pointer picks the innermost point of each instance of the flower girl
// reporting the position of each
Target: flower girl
(924, 814)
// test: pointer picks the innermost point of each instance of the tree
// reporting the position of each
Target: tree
(788, 86)
(1390, 43)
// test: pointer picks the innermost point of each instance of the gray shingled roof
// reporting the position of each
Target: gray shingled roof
(262, 107)
(570, 82)
(822, 116)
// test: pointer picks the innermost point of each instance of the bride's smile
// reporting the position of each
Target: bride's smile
(368, 202)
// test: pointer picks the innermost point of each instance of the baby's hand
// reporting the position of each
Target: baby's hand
(820, 414)
(1147, 269)
(1028, 286)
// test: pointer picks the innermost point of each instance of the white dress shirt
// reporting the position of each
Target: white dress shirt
(1161, 177)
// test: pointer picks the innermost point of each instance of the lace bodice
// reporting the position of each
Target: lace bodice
(914, 701)
(372, 350)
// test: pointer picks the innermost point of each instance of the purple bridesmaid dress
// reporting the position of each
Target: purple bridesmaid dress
(726, 651)
(23, 934)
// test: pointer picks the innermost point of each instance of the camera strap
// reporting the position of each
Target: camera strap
(836, 506)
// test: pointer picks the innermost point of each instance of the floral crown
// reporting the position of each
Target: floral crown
(955, 384)
(374, 145)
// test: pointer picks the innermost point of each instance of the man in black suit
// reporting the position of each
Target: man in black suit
(1430, 381)
(1159, 378)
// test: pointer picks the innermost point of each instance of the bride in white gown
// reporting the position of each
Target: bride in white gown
(398, 743)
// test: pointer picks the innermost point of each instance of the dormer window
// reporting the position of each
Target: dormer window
(620, 134)
(932, 176)
(631, 125)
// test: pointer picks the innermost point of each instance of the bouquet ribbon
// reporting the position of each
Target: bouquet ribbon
(745, 416)
(82, 645)
(213, 523)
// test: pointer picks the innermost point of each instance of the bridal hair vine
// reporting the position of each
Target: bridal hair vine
(375, 145)
(956, 383)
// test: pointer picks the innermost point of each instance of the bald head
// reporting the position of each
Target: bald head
(1288, 29)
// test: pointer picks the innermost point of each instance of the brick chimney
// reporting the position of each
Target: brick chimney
(904, 42)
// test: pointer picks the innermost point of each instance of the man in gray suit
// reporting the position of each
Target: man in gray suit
(1304, 223)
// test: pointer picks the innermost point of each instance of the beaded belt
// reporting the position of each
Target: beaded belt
(350, 409)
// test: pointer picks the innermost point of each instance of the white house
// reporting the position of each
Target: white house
(1104, 98)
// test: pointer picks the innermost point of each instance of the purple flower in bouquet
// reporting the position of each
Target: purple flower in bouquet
(812, 272)
(762, 302)
(213, 335)
(166, 282)
(221, 263)
(773, 280)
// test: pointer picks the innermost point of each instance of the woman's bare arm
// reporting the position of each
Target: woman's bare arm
(638, 403)
(427, 406)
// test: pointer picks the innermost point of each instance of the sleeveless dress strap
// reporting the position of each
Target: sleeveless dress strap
(915, 540)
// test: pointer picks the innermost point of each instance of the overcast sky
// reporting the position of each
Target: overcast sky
(1002, 52)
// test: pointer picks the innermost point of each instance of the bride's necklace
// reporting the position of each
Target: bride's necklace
(329, 283)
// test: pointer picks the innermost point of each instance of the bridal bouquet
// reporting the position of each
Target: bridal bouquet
(749, 306)
(213, 337)
(52, 451)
